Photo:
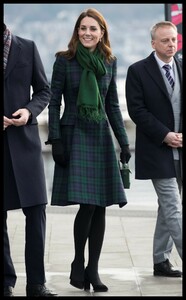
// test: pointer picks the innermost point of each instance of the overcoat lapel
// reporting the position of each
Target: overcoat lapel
(153, 70)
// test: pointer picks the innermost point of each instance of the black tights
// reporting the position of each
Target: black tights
(89, 224)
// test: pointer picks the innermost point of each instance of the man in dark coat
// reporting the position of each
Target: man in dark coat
(24, 178)
(154, 100)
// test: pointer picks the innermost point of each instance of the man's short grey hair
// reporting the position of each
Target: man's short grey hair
(161, 24)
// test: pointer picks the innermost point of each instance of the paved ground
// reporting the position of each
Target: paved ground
(126, 261)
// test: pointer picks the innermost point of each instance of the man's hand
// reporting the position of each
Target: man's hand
(174, 139)
(20, 117)
(6, 122)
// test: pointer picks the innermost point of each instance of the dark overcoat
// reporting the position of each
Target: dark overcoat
(92, 175)
(150, 108)
(24, 180)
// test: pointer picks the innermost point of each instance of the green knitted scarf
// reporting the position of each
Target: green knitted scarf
(89, 100)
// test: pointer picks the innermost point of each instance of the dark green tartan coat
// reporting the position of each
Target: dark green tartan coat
(92, 175)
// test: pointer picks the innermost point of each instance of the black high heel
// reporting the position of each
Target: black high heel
(77, 272)
(97, 286)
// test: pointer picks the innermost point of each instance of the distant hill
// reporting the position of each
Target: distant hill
(51, 26)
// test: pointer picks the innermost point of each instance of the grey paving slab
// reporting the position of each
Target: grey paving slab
(125, 263)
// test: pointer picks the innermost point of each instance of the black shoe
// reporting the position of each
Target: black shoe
(165, 268)
(38, 290)
(95, 281)
(8, 291)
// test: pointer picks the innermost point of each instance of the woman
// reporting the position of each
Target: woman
(86, 167)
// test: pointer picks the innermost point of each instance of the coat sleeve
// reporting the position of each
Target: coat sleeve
(113, 110)
(40, 87)
(54, 108)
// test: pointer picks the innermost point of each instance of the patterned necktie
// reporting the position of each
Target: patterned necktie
(168, 75)
(7, 44)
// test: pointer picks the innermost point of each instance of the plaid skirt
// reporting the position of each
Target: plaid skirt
(92, 175)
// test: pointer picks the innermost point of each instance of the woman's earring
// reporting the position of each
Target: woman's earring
(100, 40)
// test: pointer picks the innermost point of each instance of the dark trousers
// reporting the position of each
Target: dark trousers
(35, 228)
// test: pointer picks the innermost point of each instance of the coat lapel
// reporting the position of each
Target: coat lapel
(153, 70)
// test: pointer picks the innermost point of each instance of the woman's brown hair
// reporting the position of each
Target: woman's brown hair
(103, 45)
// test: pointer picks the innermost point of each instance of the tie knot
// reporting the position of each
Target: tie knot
(167, 67)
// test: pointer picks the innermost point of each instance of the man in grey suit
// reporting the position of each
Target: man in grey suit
(24, 179)
(154, 101)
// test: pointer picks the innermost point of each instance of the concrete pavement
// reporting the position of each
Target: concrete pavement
(126, 265)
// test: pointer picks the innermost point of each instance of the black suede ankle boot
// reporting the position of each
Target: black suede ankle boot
(95, 281)
(77, 275)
